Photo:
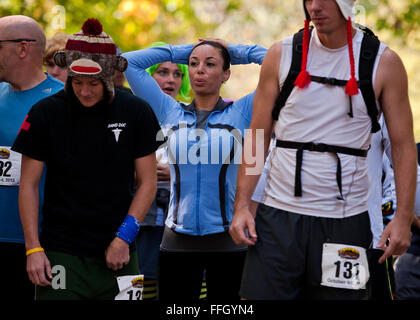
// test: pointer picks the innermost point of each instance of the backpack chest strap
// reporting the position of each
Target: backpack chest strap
(318, 147)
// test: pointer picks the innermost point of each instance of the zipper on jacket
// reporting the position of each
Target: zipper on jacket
(197, 209)
(197, 204)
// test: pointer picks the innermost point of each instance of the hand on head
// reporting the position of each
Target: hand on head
(217, 40)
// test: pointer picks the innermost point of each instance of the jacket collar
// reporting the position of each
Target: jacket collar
(220, 105)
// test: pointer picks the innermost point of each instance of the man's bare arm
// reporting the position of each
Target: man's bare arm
(264, 100)
(37, 264)
(392, 79)
(117, 254)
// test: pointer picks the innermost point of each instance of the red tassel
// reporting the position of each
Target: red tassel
(303, 80)
(351, 87)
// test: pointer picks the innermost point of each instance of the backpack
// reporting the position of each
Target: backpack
(368, 52)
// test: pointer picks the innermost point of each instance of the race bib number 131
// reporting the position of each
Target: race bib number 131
(344, 266)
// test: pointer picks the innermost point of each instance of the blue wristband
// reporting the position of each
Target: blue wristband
(128, 229)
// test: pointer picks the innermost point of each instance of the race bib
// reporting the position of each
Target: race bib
(344, 266)
(10, 163)
(131, 287)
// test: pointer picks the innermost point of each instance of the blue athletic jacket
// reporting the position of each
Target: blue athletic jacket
(203, 163)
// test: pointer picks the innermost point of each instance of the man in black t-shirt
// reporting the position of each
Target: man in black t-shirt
(93, 140)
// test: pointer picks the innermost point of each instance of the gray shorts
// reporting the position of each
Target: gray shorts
(285, 263)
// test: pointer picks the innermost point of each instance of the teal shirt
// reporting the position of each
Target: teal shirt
(14, 106)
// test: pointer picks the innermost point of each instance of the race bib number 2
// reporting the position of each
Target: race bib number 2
(344, 266)
(10, 163)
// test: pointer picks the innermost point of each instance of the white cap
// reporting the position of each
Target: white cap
(346, 8)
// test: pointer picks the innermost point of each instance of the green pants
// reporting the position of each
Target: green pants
(83, 278)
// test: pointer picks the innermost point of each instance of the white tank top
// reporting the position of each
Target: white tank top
(319, 114)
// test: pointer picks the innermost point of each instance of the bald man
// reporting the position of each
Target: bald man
(22, 84)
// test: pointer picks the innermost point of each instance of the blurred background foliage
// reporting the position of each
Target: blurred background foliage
(135, 24)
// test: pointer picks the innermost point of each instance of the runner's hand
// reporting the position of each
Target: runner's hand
(39, 269)
(117, 255)
(242, 228)
(398, 234)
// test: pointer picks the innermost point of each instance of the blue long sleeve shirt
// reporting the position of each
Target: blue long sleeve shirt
(203, 161)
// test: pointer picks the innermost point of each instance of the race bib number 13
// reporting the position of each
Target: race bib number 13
(344, 266)
(10, 163)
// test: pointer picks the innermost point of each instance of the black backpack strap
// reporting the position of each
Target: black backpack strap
(294, 71)
(368, 53)
(369, 50)
(365, 30)
(319, 147)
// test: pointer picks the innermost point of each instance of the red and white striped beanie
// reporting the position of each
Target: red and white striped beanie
(92, 53)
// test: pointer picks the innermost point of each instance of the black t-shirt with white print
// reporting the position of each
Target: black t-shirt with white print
(89, 154)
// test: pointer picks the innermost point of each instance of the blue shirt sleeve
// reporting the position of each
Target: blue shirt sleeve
(245, 54)
(244, 106)
(143, 85)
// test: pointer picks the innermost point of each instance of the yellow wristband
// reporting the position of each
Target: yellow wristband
(34, 250)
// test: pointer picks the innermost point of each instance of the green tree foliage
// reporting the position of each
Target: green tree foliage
(131, 23)
(35, 9)
(137, 23)
(401, 17)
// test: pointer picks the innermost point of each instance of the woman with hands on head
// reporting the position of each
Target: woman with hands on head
(173, 80)
(202, 140)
